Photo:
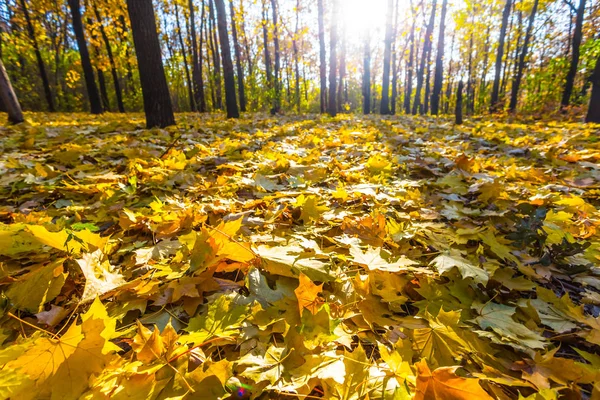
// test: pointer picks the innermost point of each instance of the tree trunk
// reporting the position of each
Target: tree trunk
(210, 46)
(197, 78)
(216, 57)
(265, 31)
(342, 71)
(499, 55)
(38, 56)
(103, 90)
(186, 67)
(9, 98)
(384, 106)
(593, 114)
(470, 89)
(424, 56)
(297, 57)
(230, 100)
(331, 103)
(111, 60)
(395, 63)
(277, 56)
(322, 55)
(514, 95)
(366, 80)
(238, 58)
(506, 62)
(438, 81)
(577, 35)
(155, 91)
(410, 64)
(86, 63)
(458, 117)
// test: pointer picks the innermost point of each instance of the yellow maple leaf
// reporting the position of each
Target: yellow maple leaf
(443, 383)
(307, 294)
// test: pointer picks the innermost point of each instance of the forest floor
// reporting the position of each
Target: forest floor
(335, 258)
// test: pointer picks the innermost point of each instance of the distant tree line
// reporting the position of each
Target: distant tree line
(528, 56)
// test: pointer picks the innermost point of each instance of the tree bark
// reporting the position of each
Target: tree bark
(155, 91)
(38, 56)
(366, 80)
(410, 64)
(230, 100)
(9, 98)
(576, 43)
(216, 57)
(322, 55)
(384, 106)
(342, 71)
(438, 81)
(238, 58)
(331, 101)
(111, 60)
(86, 63)
(593, 114)
(514, 95)
(265, 31)
(297, 57)
(186, 67)
(395, 63)
(424, 56)
(198, 81)
(277, 56)
(458, 117)
(499, 55)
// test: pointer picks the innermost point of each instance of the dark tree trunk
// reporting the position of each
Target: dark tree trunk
(38, 56)
(198, 80)
(9, 98)
(103, 90)
(331, 103)
(277, 56)
(186, 67)
(424, 56)
(268, 70)
(514, 95)
(322, 55)
(111, 60)
(458, 117)
(593, 114)
(297, 57)
(366, 80)
(86, 63)
(155, 91)
(230, 100)
(438, 81)
(499, 55)
(238, 58)
(384, 106)
(216, 57)
(576, 43)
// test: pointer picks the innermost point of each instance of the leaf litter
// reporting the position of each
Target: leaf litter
(299, 257)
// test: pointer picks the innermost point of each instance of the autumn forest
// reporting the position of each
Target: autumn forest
(300, 199)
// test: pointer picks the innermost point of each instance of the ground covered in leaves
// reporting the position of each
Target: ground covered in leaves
(299, 257)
